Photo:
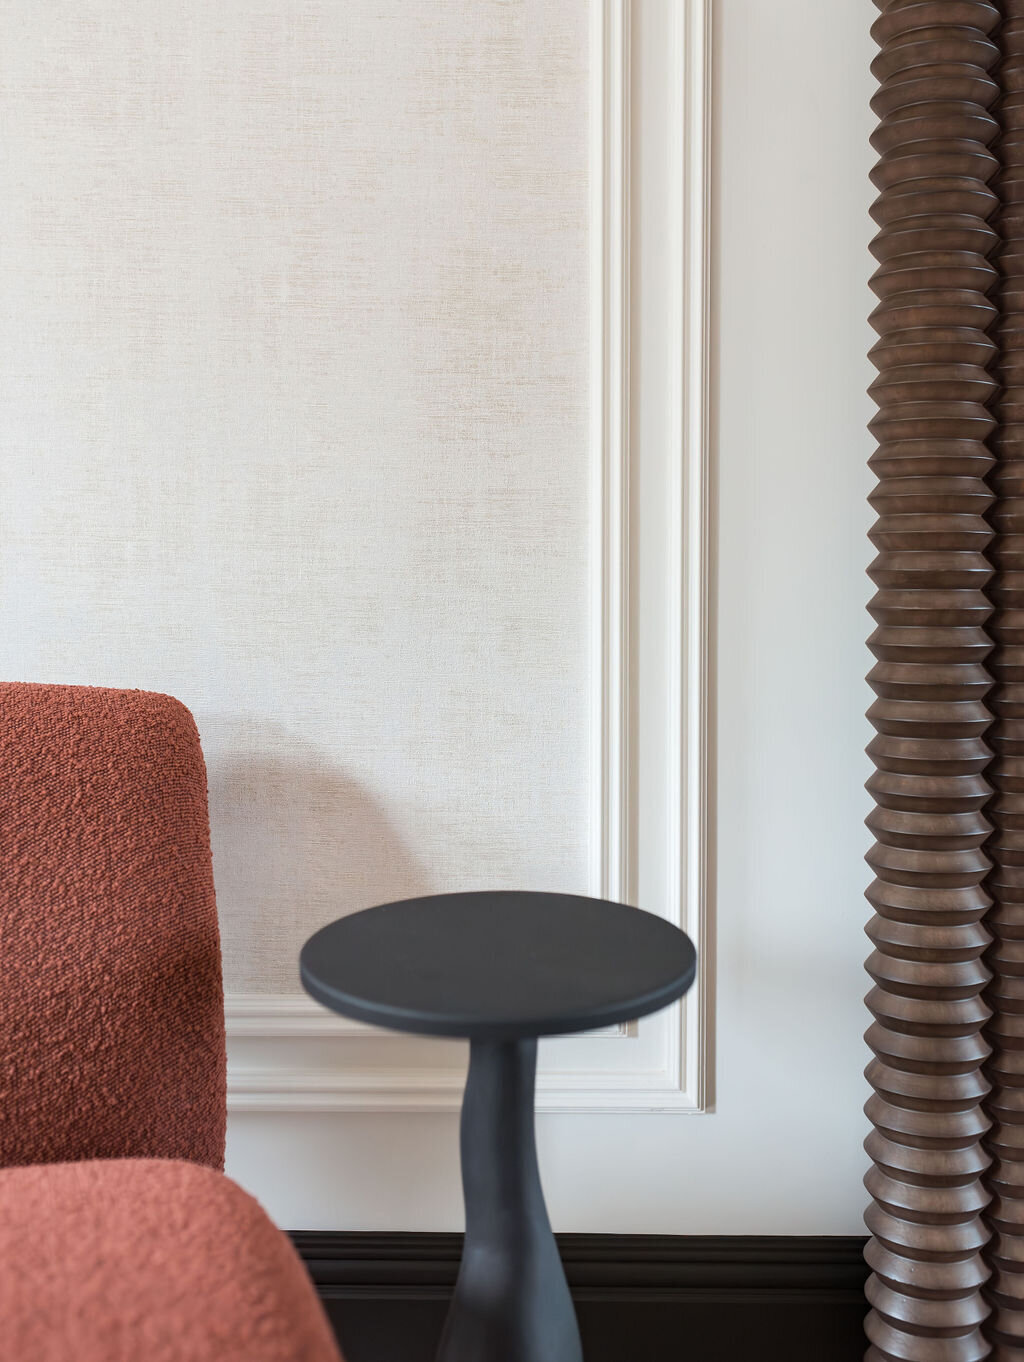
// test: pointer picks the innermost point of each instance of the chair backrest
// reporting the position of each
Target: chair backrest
(111, 1002)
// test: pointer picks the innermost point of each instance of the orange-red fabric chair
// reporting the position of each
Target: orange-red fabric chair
(120, 1239)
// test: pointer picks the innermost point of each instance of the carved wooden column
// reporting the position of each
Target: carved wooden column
(1006, 847)
(930, 679)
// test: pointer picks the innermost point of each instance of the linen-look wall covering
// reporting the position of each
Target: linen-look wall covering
(295, 425)
(947, 1251)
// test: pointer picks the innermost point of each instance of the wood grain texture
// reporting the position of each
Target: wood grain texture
(1005, 1069)
(931, 680)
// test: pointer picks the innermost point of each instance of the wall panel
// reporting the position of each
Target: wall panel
(297, 427)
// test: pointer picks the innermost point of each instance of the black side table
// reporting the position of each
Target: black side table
(501, 969)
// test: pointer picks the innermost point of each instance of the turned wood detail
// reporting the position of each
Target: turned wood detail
(931, 680)
(1005, 920)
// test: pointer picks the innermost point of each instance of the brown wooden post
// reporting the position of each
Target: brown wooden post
(931, 679)
(1006, 847)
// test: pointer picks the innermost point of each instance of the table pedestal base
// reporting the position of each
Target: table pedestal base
(511, 1301)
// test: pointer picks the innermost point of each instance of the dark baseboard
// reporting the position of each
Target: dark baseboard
(641, 1297)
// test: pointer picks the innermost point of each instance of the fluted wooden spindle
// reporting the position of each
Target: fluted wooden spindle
(1006, 847)
(930, 679)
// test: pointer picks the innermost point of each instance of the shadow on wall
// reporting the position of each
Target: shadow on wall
(296, 843)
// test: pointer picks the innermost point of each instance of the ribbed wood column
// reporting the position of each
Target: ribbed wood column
(1006, 847)
(930, 679)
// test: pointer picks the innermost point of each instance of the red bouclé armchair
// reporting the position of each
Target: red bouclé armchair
(120, 1239)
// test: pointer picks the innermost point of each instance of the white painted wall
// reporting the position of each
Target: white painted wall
(780, 1152)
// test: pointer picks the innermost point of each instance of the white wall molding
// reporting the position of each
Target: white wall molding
(268, 1015)
(440, 1088)
(651, 611)
(610, 212)
(276, 1015)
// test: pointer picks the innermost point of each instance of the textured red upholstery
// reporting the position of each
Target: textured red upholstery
(111, 1006)
(112, 1043)
(148, 1261)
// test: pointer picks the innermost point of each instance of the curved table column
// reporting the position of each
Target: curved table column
(511, 1300)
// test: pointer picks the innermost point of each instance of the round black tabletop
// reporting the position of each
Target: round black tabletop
(498, 966)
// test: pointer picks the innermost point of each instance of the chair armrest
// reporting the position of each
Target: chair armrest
(120, 1260)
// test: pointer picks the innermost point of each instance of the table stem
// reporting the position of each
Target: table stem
(511, 1301)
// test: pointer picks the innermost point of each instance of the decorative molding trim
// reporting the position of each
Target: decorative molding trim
(269, 1015)
(664, 1062)
(697, 755)
(692, 614)
(612, 874)
(352, 1259)
(439, 1089)
(738, 1296)
(273, 1015)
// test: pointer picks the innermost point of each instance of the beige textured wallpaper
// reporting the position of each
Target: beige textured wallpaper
(293, 411)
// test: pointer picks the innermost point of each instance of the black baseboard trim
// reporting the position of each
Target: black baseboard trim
(645, 1297)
